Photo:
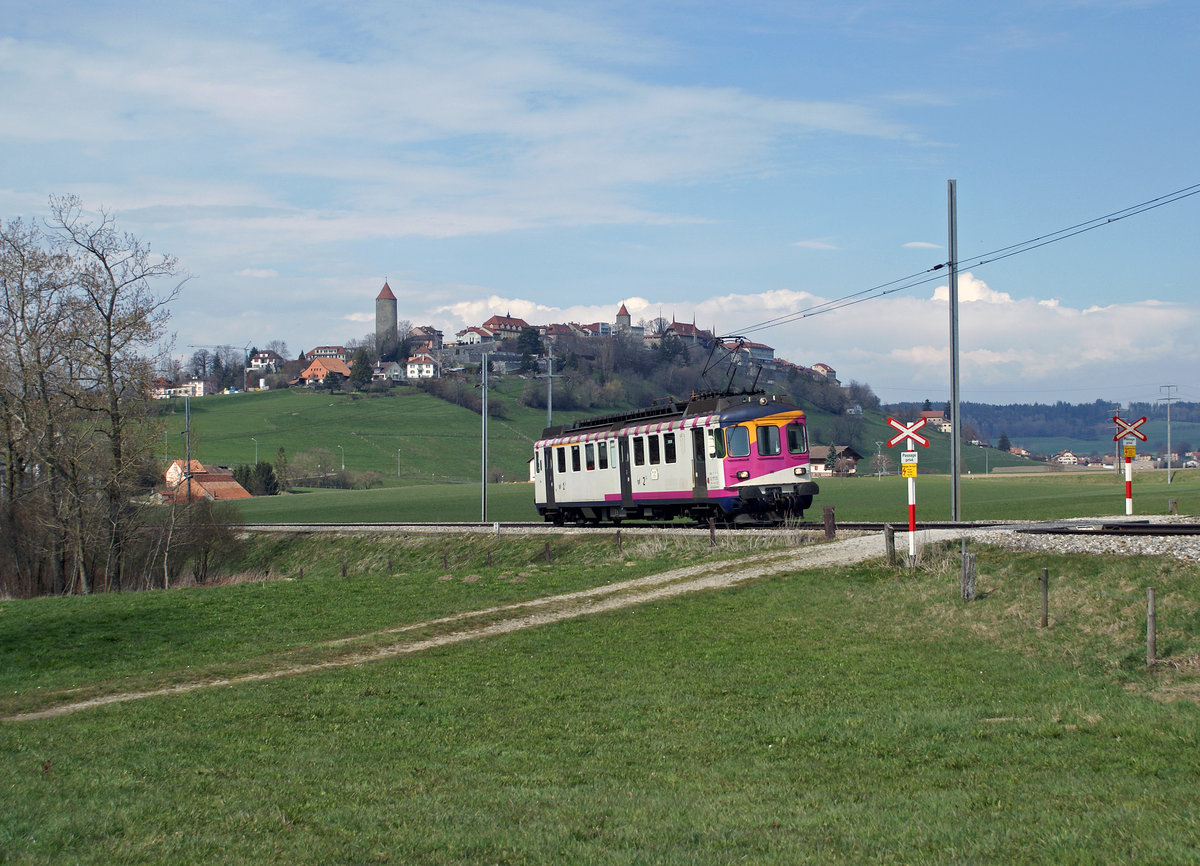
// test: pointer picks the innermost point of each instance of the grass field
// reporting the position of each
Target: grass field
(1010, 497)
(409, 437)
(855, 715)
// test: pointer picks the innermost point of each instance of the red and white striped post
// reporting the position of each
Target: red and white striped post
(908, 468)
(1128, 430)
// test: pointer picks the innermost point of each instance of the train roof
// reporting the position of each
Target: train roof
(730, 406)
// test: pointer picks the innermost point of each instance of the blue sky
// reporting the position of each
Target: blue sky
(727, 163)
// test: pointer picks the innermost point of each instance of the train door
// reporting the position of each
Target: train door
(625, 471)
(548, 463)
(699, 470)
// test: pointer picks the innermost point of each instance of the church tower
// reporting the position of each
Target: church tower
(385, 318)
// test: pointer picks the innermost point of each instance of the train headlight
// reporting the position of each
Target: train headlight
(743, 475)
(801, 470)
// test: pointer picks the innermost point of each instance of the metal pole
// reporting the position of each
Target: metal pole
(955, 420)
(255, 441)
(1168, 400)
(343, 450)
(483, 369)
(550, 389)
(397, 462)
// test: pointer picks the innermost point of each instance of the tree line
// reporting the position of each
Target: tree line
(82, 304)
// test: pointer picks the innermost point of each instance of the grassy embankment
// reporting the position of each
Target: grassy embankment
(851, 715)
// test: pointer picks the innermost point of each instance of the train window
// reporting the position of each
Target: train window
(768, 441)
(652, 440)
(738, 441)
(639, 451)
(668, 448)
(589, 456)
(797, 438)
(574, 458)
(716, 443)
(562, 459)
(602, 454)
(612, 453)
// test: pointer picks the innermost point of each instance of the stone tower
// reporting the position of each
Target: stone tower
(385, 318)
(623, 323)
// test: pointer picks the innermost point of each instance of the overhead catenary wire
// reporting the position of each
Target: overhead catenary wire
(934, 273)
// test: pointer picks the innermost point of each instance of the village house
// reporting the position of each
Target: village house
(267, 362)
(505, 327)
(341, 353)
(388, 371)
(214, 484)
(845, 460)
(164, 390)
(422, 366)
(320, 369)
(424, 338)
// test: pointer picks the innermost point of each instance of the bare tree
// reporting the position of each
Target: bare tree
(116, 315)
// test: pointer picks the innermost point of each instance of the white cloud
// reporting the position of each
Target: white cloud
(259, 273)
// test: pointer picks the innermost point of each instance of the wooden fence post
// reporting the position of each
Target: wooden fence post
(968, 577)
(620, 545)
(830, 526)
(1045, 597)
(712, 532)
(1151, 623)
(889, 543)
(547, 553)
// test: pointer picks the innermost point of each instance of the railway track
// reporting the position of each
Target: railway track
(1079, 528)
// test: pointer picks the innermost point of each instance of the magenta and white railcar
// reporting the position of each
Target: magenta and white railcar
(736, 458)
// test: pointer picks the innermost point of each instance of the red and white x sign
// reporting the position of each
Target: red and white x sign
(908, 431)
(1125, 428)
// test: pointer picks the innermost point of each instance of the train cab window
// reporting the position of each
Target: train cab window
(797, 438)
(562, 459)
(639, 451)
(668, 448)
(589, 456)
(716, 443)
(574, 458)
(652, 441)
(602, 455)
(768, 441)
(737, 439)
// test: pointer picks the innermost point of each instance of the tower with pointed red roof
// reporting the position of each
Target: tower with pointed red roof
(623, 320)
(385, 318)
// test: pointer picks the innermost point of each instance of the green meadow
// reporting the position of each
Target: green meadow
(299, 708)
(849, 715)
(409, 437)
(1050, 496)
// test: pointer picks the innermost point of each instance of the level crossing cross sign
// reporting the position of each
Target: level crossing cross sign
(1127, 428)
(908, 431)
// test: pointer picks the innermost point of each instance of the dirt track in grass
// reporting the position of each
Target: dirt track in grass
(503, 619)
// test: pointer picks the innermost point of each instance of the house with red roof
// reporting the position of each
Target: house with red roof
(214, 484)
(319, 369)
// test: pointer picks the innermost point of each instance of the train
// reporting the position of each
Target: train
(737, 458)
